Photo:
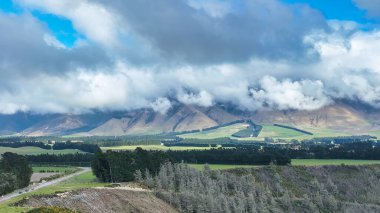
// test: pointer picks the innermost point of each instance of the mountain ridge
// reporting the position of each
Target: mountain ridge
(181, 117)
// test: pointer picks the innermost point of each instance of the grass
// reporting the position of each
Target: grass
(221, 132)
(31, 150)
(155, 147)
(295, 162)
(60, 169)
(323, 162)
(279, 132)
(85, 180)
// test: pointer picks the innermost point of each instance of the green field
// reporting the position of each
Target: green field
(60, 169)
(155, 147)
(279, 132)
(295, 162)
(323, 162)
(86, 180)
(221, 132)
(31, 150)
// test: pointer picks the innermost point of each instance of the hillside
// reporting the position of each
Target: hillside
(337, 119)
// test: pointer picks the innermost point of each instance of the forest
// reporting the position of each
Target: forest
(267, 189)
(243, 156)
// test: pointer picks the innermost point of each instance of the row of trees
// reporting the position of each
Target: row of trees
(121, 166)
(23, 144)
(77, 159)
(85, 147)
(246, 156)
(15, 172)
(357, 151)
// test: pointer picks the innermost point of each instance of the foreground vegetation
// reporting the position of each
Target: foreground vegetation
(85, 180)
(15, 172)
(268, 189)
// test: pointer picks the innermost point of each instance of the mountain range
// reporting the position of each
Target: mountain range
(345, 117)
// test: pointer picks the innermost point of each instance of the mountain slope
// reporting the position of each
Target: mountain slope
(343, 117)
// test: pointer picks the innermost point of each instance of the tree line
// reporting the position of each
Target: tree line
(57, 159)
(85, 147)
(15, 172)
(243, 156)
(120, 166)
(23, 144)
(355, 151)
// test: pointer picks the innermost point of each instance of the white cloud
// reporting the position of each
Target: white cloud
(53, 42)
(287, 94)
(203, 98)
(161, 105)
(48, 78)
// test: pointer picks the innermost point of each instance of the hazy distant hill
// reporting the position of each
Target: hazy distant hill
(341, 116)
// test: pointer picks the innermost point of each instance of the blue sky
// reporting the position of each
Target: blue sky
(336, 9)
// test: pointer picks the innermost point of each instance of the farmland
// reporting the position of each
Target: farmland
(221, 132)
(295, 162)
(324, 162)
(28, 150)
(268, 131)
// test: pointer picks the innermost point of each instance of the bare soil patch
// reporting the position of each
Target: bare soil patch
(36, 177)
(103, 200)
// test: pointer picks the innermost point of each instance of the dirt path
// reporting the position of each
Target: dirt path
(42, 185)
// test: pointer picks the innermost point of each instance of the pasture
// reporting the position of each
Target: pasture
(31, 150)
(295, 162)
(325, 162)
(221, 132)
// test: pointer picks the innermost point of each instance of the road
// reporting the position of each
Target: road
(41, 185)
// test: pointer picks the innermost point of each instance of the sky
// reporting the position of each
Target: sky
(64, 56)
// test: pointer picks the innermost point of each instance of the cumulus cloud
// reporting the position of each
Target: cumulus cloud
(200, 52)
(301, 95)
(161, 105)
(187, 31)
(371, 6)
(25, 50)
